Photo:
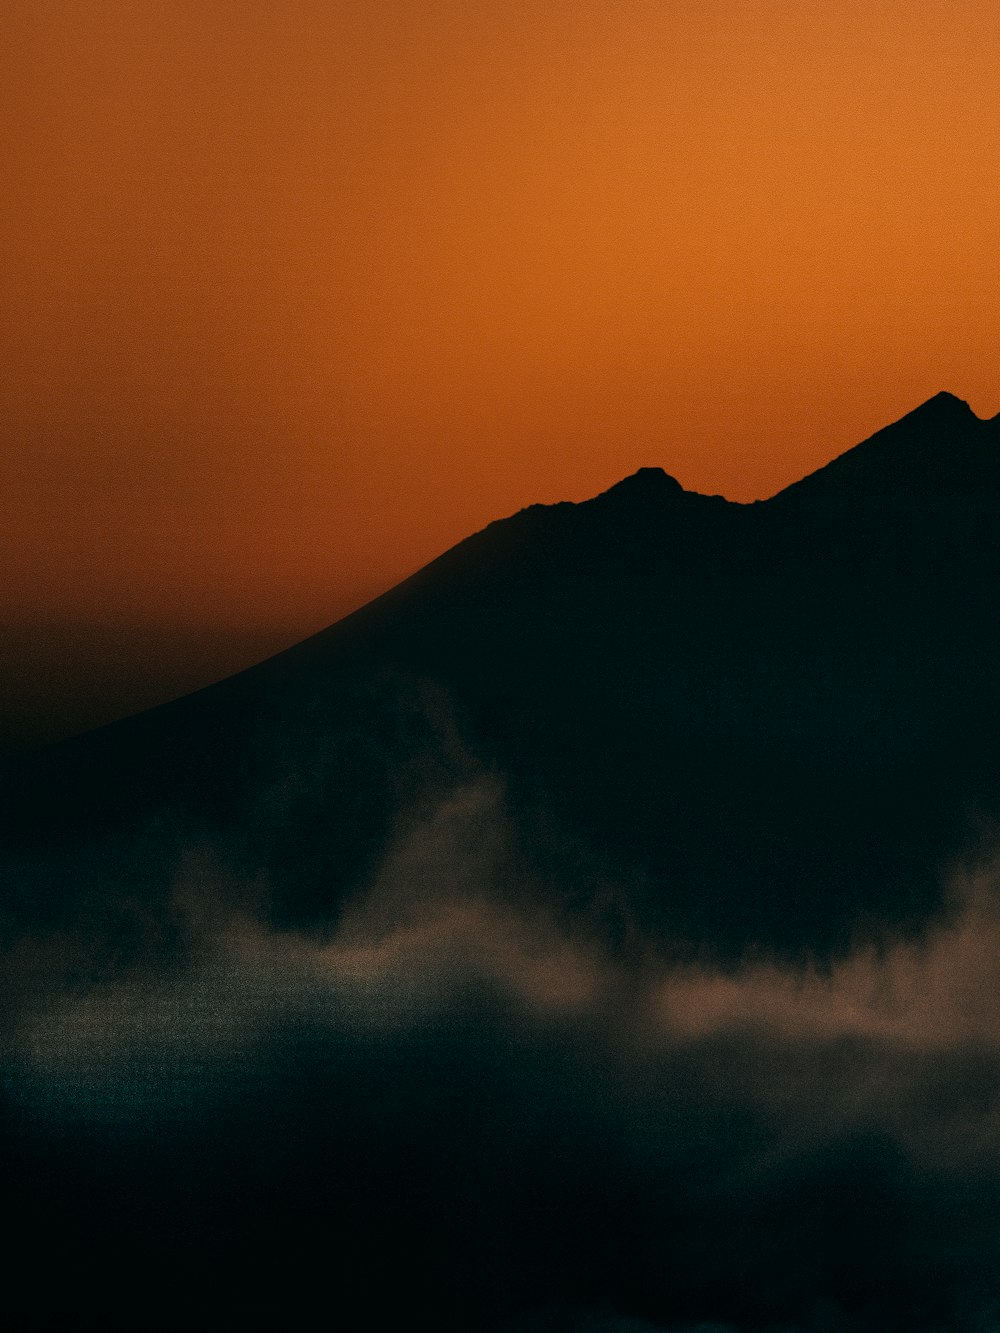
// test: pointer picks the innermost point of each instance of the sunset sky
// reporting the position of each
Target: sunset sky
(298, 293)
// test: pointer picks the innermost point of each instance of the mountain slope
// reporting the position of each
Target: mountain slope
(499, 960)
(765, 723)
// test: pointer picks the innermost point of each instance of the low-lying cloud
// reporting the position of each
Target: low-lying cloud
(769, 1146)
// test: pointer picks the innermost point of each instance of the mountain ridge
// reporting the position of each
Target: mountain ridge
(942, 413)
(651, 493)
(591, 890)
(939, 448)
(814, 671)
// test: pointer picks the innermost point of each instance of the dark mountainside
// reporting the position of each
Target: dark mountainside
(684, 734)
(775, 722)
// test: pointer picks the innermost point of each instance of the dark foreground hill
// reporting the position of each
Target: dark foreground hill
(569, 938)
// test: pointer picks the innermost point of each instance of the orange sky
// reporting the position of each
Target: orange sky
(297, 293)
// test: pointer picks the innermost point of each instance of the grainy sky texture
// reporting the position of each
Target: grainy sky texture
(299, 293)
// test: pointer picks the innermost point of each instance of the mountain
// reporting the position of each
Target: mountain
(940, 450)
(566, 942)
(769, 722)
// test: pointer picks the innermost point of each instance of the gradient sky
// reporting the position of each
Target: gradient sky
(297, 293)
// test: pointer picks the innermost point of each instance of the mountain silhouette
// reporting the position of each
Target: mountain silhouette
(939, 453)
(770, 725)
(562, 943)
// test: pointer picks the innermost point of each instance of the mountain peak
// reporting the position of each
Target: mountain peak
(943, 406)
(939, 448)
(646, 484)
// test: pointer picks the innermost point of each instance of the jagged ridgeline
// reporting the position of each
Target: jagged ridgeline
(716, 725)
(595, 934)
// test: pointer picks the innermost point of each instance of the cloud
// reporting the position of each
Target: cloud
(935, 991)
(498, 1099)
